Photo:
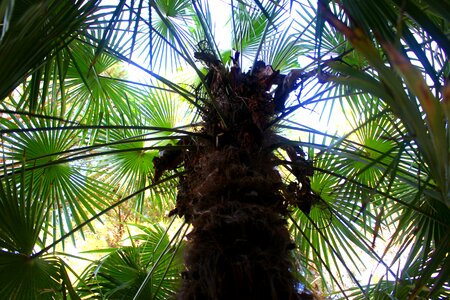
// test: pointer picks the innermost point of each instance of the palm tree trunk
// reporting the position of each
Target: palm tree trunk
(232, 195)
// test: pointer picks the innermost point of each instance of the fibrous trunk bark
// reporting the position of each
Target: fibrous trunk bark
(232, 194)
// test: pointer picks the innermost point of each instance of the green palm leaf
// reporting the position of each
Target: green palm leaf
(25, 275)
(34, 278)
(37, 28)
(61, 186)
(120, 274)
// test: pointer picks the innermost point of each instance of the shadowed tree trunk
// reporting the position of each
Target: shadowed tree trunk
(232, 194)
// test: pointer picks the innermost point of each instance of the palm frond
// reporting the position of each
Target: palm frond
(123, 272)
(39, 29)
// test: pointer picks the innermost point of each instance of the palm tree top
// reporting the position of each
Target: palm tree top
(82, 140)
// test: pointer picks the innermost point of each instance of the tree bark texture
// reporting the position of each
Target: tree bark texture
(232, 194)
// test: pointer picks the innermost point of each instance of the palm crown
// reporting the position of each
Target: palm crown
(80, 140)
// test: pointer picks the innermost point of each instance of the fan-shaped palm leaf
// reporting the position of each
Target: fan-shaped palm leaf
(32, 32)
(26, 275)
(428, 133)
(121, 273)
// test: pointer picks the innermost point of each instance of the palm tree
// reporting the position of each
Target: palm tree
(276, 209)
